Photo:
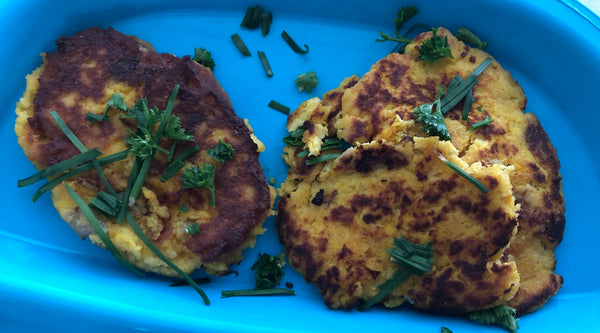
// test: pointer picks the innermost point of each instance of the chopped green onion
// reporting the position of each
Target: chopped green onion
(252, 17)
(241, 46)
(265, 63)
(462, 88)
(482, 123)
(87, 212)
(258, 292)
(463, 173)
(467, 105)
(293, 44)
(192, 229)
(295, 137)
(107, 204)
(266, 23)
(279, 107)
(322, 158)
(468, 36)
(60, 167)
(178, 164)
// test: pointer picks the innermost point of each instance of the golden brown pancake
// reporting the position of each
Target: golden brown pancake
(379, 107)
(79, 77)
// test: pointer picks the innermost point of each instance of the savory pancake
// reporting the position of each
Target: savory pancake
(80, 77)
(379, 107)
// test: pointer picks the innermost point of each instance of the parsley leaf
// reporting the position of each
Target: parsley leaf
(222, 152)
(204, 58)
(268, 271)
(115, 101)
(307, 81)
(174, 131)
(431, 117)
(204, 178)
(501, 315)
(435, 48)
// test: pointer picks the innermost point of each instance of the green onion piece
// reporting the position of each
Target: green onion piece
(293, 44)
(252, 17)
(265, 63)
(135, 169)
(467, 105)
(241, 46)
(279, 107)
(107, 204)
(75, 171)
(87, 212)
(60, 167)
(177, 163)
(303, 153)
(295, 137)
(322, 158)
(468, 36)
(463, 173)
(482, 123)
(386, 288)
(180, 283)
(140, 233)
(258, 292)
(67, 131)
(184, 208)
(456, 95)
(192, 229)
(266, 23)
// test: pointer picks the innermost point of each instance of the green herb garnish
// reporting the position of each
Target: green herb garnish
(204, 58)
(435, 48)
(184, 208)
(460, 87)
(293, 44)
(268, 271)
(252, 17)
(107, 204)
(307, 81)
(404, 15)
(115, 101)
(193, 228)
(463, 173)
(431, 117)
(258, 292)
(266, 23)
(482, 123)
(412, 258)
(241, 46)
(177, 164)
(265, 63)
(279, 107)
(204, 178)
(222, 152)
(468, 36)
(445, 330)
(501, 315)
(295, 137)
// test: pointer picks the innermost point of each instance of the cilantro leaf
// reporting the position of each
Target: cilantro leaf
(204, 178)
(501, 315)
(222, 152)
(433, 119)
(435, 48)
(204, 58)
(268, 271)
(307, 81)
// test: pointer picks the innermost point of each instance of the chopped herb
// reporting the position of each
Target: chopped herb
(322, 158)
(115, 101)
(501, 315)
(445, 330)
(432, 118)
(404, 15)
(462, 173)
(241, 46)
(252, 17)
(295, 137)
(468, 36)
(177, 164)
(107, 204)
(184, 208)
(482, 123)
(222, 152)
(435, 48)
(265, 63)
(412, 258)
(258, 292)
(204, 178)
(268, 271)
(279, 107)
(307, 81)
(204, 58)
(193, 228)
(293, 44)
(462, 87)
(95, 223)
(467, 105)
(266, 23)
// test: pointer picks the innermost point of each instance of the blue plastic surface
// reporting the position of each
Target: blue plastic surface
(52, 281)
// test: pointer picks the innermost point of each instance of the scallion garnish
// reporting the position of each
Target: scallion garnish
(265, 63)
(258, 292)
(95, 223)
(252, 17)
(177, 164)
(322, 158)
(295, 137)
(293, 44)
(279, 107)
(482, 123)
(60, 167)
(412, 258)
(462, 173)
(107, 204)
(462, 88)
(192, 229)
(266, 23)
(468, 36)
(241, 46)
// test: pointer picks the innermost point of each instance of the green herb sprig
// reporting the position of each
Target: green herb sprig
(404, 15)
(501, 315)
(307, 81)
(463, 173)
(268, 271)
(468, 36)
(204, 58)
(435, 48)
(204, 178)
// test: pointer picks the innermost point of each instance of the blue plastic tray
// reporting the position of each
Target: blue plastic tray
(52, 281)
